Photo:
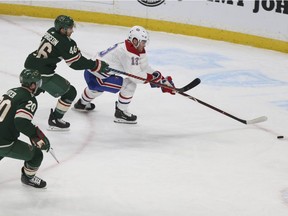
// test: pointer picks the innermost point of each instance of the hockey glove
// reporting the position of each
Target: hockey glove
(100, 67)
(168, 81)
(40, 140)
(39, 91)
(154, 77)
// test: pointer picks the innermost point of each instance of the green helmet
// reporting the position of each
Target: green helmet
(29, 76)
(63, 21)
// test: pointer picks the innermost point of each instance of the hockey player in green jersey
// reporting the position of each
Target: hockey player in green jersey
(17, 108)
(56, 45)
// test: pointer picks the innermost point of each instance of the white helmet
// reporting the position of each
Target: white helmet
(139, 33)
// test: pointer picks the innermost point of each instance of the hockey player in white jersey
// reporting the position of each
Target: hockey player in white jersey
(128, 56)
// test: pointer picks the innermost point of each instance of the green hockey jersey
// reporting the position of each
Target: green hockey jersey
(17, 108)
(53, 48)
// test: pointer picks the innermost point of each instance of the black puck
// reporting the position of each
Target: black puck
(280, 137)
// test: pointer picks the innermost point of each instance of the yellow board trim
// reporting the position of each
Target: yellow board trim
(156, 25)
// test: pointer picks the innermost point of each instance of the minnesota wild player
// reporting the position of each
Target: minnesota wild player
(56, 44)
(17, 108)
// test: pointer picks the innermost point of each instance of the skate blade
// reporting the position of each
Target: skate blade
(54, 128)
(82, 110)
(31, 186)
(122, 121)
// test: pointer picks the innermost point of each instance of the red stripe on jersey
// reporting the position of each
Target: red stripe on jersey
(107, 84)
(23, 114)
(98, 64)
(71, 60)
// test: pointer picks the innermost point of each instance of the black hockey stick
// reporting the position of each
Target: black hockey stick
(187, 87)
(192, 84)
(252, 121)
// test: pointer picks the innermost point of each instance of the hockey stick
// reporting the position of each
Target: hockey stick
(51, 151)
(192, 85)
(187, 87)
(252, 121)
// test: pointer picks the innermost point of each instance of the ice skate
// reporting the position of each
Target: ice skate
(124, 116)
(84, 108)
(57, 124)
(33, 182)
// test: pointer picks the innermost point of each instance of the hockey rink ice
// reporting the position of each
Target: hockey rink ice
(182, 158)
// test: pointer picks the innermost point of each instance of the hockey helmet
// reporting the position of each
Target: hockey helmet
(30, 76)
(139, 33)
(63, 21)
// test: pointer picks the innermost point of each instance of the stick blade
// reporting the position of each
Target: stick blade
(189, 86)
(257, 120)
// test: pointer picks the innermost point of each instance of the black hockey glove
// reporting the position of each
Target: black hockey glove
(39, 91)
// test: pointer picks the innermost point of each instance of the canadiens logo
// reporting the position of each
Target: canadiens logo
(151, 3)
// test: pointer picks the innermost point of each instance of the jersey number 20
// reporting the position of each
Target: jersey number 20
(4, 108)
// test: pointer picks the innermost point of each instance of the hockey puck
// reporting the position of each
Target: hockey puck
(280, 137)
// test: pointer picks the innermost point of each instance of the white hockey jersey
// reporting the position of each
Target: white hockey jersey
(125, 57)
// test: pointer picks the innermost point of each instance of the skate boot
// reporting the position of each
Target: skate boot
(34, 181)
(124, 116)
(57, 124)
(81, 107)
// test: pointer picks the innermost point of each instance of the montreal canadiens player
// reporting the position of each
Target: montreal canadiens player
(128, 56)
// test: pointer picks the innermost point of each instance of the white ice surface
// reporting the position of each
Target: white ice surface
(182, 158)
